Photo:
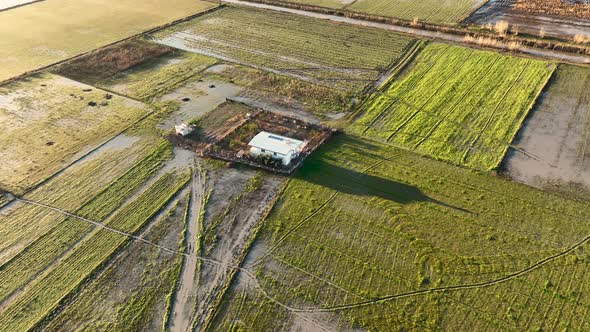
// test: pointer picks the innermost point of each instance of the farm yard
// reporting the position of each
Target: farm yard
(364, 221)
(451, 194)
(342, 57)
(456, 104)
(47, 32)
(555, 137)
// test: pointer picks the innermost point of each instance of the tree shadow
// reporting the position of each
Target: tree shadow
(360, 184)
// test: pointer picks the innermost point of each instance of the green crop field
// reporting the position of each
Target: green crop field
(364, 222)
(432, 11)
(456, 104)
(345, 57)
(46, 121)
(46, 32)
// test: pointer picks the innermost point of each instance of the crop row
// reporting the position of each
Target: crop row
(456, 104)
(40, 297)
(292, 44)
(432, 11)
(45, 250)
(69, 190)
(365, 220)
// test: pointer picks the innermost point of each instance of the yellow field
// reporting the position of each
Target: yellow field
(42, 33)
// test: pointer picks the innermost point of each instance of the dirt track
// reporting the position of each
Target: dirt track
(187, 284)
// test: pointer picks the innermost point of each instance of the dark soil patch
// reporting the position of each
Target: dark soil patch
(105, 63)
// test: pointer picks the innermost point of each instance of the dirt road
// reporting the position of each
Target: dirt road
(541, 53)
(182, 313)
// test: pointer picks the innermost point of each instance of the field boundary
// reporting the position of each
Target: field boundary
(72, 163)
(149, 31)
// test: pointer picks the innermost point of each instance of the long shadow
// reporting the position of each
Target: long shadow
(360, 184)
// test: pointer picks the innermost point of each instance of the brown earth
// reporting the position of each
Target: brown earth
(531, 22)
(556, 136)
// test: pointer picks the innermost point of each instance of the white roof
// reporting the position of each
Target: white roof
(13, 3)
(276, 143)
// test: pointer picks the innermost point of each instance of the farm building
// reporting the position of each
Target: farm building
(183, 129)
(277, 147)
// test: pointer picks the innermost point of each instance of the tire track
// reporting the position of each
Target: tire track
(467, 152)
(454, 108)
(430, 98)
(408, 88)
(354, 305)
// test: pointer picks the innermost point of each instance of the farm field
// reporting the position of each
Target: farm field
(365, 221)
(455, 104)
(46, 32)
(317, 51)
(47, 121)
(432, 11)
(450, 194)
(40, 297)
(128, 295)
(137, 69)
(555, 137)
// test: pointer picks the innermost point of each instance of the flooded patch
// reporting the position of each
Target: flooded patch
(198, 99)
(556, 135)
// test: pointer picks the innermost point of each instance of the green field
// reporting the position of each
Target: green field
(345, 57)
(46, 121)
(455, 104)
(46, 32)
(365, 221)
(432, 11)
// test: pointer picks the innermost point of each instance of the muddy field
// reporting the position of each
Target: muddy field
(554, 138)
(531, 23)
(49, 121)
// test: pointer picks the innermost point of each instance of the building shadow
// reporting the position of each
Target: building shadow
(356, 183)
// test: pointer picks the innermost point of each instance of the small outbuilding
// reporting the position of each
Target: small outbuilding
(277, 147)
(183, 129)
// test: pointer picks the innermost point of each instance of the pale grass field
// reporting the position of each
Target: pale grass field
(46, 122)
(46, 32)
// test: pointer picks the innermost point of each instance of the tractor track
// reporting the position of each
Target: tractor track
(295, 310)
